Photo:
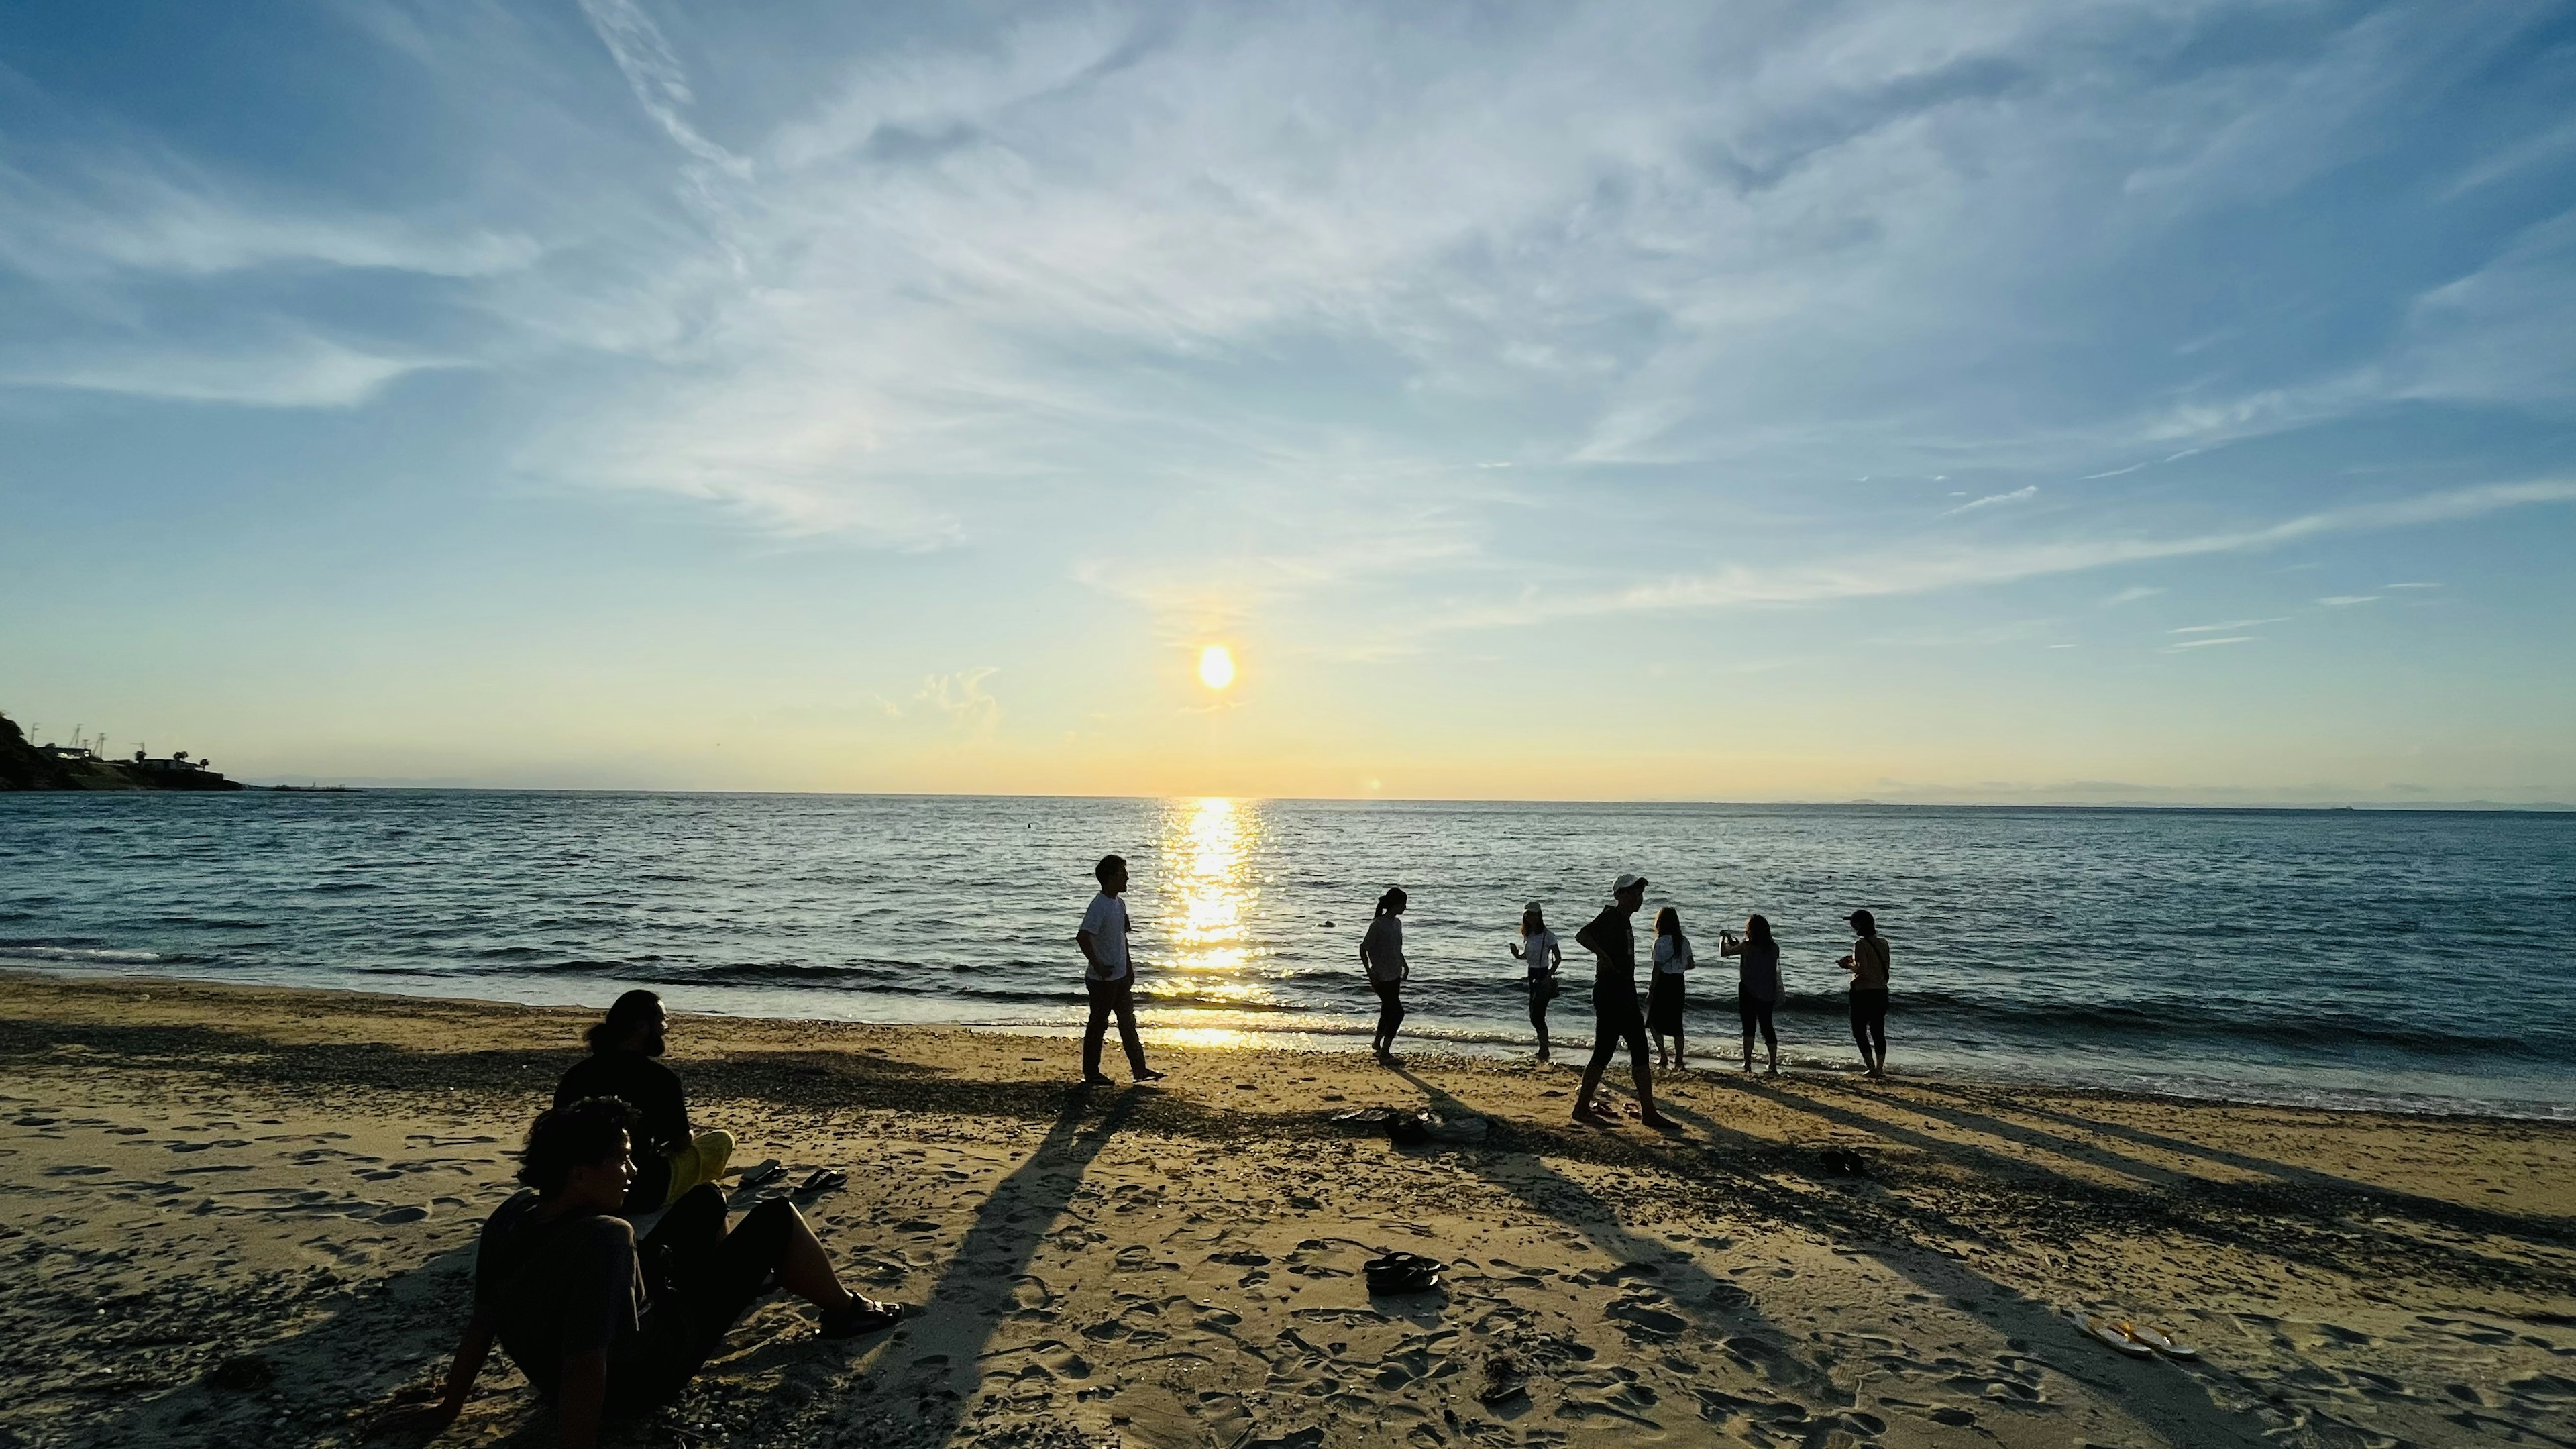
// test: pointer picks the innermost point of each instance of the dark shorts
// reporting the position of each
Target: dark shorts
(1616, 1019)
(1664, 1003)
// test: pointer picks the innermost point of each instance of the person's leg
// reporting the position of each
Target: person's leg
(1605, 1040)
(1770, 1040)
(693, 1228)
(1124, 1003)
(1860, 1027)
(1878, 1031)
(1538, 1016)
(1645, 1077)
(1746, 1015)
(1093, 1029)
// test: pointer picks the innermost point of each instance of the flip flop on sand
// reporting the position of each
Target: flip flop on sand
(2159, 1341)
(766, 1173)
(2113, 1336)
(1404, 1273)
(823, 1180)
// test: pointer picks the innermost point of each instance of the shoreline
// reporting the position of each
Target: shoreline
(203, 1174)
(1811, 1057)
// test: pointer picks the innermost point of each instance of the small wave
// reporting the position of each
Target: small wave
(97, 956)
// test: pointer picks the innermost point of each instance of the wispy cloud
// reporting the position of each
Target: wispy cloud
(1991, 499)
(2211, 643)
(2131, 595)
(2345, 601)
(2221, 628)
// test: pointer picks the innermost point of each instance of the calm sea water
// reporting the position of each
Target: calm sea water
(2409, 960)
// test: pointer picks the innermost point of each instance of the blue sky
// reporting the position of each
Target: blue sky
(2165, 401)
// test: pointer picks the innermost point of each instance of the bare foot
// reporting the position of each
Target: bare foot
(1656, 1119)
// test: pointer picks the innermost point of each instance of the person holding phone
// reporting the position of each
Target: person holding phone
(1538, 947)
(1868, 965)
(1757, 984)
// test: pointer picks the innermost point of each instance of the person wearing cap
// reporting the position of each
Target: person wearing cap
(1612, 940)
(1538, 947)
(1868, 965)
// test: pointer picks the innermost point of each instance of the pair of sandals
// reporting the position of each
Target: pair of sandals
(1403, 1273)
(820, 1180)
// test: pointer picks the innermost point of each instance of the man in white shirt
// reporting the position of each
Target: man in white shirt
(1112, 977)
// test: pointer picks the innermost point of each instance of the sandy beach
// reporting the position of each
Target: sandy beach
(246, 1216)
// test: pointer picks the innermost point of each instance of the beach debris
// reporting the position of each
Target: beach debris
(1842, 1162)
(242, 1373)
(1505, 1379)
(1403, 1273)
(2156, 1339)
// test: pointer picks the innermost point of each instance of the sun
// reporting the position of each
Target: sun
(1216, 666)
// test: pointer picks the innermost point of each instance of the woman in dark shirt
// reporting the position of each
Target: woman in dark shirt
(1757, 988)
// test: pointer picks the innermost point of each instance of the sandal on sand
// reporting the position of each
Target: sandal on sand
(2112, 1335)
(2158, 1341)
(823, 1180)
(1404, 1273)
(861, 1315)
(765, 1174)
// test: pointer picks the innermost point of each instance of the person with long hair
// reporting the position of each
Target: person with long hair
(1757, 984)
(1612, 939)
(1382, 953)
(1868, 965)
(1538, 947)
(626, 1046)
(1664, 991)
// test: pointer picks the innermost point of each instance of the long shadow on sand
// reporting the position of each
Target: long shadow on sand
(2161, 1402)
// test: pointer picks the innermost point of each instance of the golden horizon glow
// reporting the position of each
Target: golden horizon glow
(1216, 666)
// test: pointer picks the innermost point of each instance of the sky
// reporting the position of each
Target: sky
(2166, 402)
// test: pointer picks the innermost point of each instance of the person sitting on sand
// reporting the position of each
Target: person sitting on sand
(1757, 984)
(1868, 965)
(602, 1325)
(670, 1157)
(1111, 976)
(1538, 947)
(1664, 990)
(1612, 940)
(1382, 954)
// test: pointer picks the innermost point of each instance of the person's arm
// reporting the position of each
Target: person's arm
(1589, 938)
(471, 1350)
(1556, 956)
(1517, 953)
(1090, 957)
(1729, 946)
(582, 1396)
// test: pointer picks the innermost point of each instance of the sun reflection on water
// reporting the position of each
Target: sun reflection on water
(1209, 846)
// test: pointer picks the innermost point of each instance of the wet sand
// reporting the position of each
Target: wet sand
(246, 1216)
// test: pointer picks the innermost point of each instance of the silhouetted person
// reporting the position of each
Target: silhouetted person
(1664, 993)
(1757, 984)
(1382, 953)
(605, 1326)
(1538, 947)
(670, 1158)
(1868, 965)
(1111, 977)
(1612, 940)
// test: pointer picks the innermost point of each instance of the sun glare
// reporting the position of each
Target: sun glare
(1216, 666)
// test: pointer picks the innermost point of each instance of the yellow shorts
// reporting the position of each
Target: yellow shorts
(699, 1163)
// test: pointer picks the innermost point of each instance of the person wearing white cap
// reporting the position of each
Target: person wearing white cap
(1612, 940)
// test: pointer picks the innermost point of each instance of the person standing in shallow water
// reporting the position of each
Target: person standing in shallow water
(1612, 940)
(1538, 947)
(1382, 952)
(1111, 977)
(1868, 965)
(1664, 1001)
(1757, 989)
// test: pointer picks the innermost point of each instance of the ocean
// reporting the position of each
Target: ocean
(2400, 960)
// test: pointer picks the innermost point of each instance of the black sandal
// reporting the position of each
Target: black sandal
(765, 1174)
(861, 1315)
(1404, 1273)
(823, 1180)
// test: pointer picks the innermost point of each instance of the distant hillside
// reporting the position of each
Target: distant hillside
(23, 766)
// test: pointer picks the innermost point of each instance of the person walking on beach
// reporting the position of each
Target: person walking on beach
(1664, 989)
(1757, 987)
(671, 1157)
(1868, 965)
(1612, 939)
(1538, 947)
(602, 1325)
(1110, 977)
(1382, 952)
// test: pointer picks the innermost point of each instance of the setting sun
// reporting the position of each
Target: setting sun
(1216, 666)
